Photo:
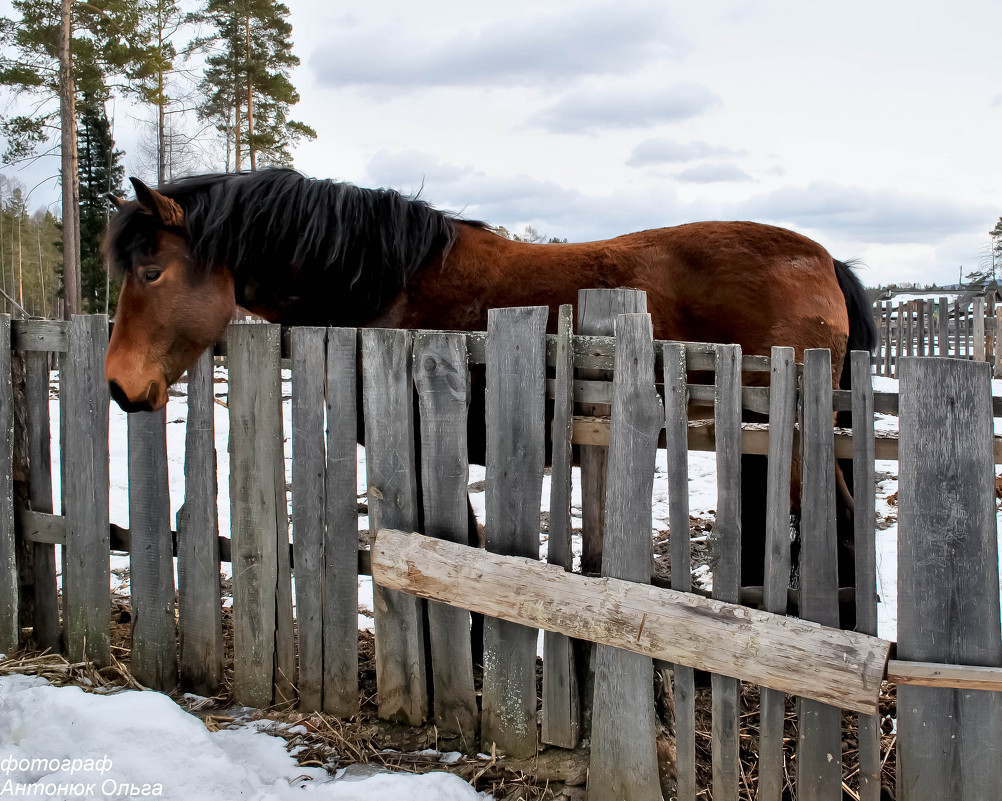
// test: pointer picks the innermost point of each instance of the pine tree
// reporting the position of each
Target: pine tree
(100, 174)
(247, 93)
(55, 50)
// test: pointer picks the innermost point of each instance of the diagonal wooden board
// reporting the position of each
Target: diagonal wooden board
(842, 668)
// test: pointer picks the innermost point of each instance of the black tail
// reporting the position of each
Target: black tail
(862, 329)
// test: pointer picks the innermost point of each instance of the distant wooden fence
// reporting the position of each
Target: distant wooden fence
(936, 327)
(947, 551)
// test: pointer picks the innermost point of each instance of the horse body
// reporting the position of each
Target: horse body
(303, 252)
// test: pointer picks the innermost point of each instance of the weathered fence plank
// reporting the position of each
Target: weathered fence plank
(393, 503)
(40, 458)
(255, 397)
(782, 420)
(151, 558)
(561, 707)
(10, 609)
(819, 745)
(285, 628)
(442, 379)
(623, 755)
(948, 580)
(676, 444)
(944, 327)
(340, 616)
(784, 653)
(200, 628)
(308, 347)
(87, 569)
(516, 388)
(597, 311)
(864, 522)
(726, 538)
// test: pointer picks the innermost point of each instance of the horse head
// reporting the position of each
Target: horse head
(171, 306)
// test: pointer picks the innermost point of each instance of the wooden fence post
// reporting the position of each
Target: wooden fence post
(10, 608)
(949, 741)
(199, 613)
(442, 378)
(819, 746)
(87, 569)
(677, 447)
(782, 420)
(40, 461)
(341, 539)
(516, 389)
(920, 327)
(864, 522)
(726, 538)
(899, 349)
(561, 706)
(623, 749)
(308, 350)
(255, 400)
(597, 310)
(151, 555)
(401, 669)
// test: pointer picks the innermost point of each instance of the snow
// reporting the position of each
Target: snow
(130, 744)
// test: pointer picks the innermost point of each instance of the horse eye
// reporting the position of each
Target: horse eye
(150, 275)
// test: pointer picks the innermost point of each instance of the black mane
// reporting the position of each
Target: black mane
(318, 250)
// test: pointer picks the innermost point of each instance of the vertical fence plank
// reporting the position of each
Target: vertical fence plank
(979, 329)
(308, 351)
(864, 522)
(920, 327)
(819, 747)
(200, 627)
(10, 611)
(393, 503)
(87, 572)
(561, 712)
(911, 328)
(286, 677)
(151, 557)
(340, 591)
(442, 379)
(948, 580)
(677, 446)
(899, 348)
(727, 561)
(516, 389)
(944, 327)
(887, 337)
(40, 458)
(782, 419)
(255, 396)
(623, 760)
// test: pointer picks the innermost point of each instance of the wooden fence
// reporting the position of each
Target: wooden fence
(936, 327)
(947, 550)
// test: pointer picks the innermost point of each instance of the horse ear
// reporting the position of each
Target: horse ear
(160, 206)
(115, 201)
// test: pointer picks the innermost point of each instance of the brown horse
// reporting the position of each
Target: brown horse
(299, 251)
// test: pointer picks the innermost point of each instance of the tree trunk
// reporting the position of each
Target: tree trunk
(71, 185)
(250, 103)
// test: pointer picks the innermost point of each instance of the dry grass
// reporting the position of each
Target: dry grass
(320, 740)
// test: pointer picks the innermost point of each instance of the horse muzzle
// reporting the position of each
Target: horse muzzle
(148, 402)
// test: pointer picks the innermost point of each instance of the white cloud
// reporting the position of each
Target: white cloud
(713, 173)
(526, 50)
(586, 111)
(659, 150)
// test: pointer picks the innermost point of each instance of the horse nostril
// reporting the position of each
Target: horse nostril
(122, 399)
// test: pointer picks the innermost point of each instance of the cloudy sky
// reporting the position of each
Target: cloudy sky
(869, 125)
